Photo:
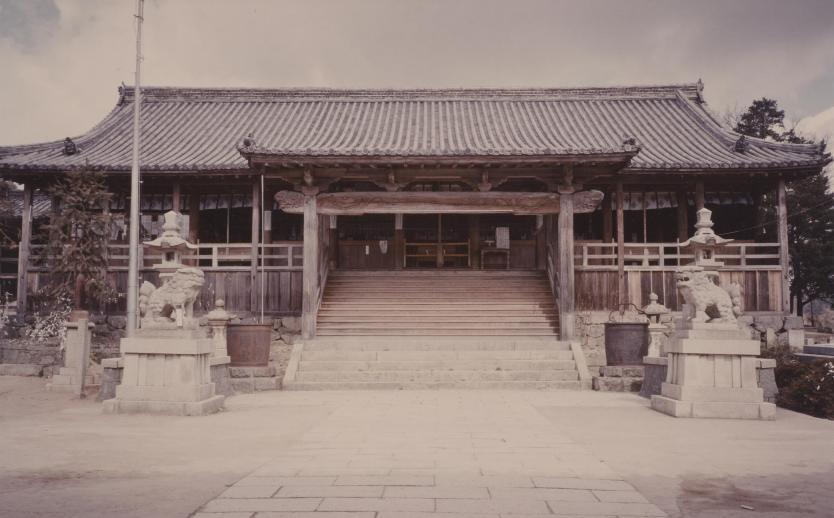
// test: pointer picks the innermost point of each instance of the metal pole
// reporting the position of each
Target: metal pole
(133, 263)
(261, 250)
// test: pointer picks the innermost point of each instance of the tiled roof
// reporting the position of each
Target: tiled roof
(204, 129)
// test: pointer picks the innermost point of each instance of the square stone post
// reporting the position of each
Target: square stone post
(309, 301)
(71, 377)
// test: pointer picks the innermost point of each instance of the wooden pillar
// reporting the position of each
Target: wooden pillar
(683, 216)
(566, 266)
(541, 244)
(175, 198)
(782, 216)
(607, 231)
(23, 253)
(475, 241)
(399, 242)
(254, 291)
(699, 195)
(621, 284)
(333, 258)
(309, 299)
(194, 216)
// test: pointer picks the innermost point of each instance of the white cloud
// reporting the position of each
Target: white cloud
(66, 81)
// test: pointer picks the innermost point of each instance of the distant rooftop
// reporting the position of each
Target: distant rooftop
(203, 129)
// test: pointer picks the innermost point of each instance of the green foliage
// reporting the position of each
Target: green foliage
(763, 119)
(76, 239)
(810, 211)
(805, 387)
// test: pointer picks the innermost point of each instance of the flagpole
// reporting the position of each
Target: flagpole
(133, 262)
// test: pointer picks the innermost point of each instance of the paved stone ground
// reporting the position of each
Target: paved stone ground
(420, 454)
(546, 452)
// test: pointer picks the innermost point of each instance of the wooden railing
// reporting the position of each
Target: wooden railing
(278, 256)
(738, 256)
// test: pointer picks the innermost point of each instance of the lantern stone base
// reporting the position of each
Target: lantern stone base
(166, 375)
(712, 374)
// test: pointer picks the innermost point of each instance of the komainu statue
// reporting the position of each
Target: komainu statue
(707, 301)
(172, 304)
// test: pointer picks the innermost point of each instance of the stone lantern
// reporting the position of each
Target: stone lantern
(653, 312)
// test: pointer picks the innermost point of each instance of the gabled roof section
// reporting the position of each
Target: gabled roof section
(659, 128)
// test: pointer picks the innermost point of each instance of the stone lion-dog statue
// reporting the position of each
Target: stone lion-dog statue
(172, 304)
(707, 301)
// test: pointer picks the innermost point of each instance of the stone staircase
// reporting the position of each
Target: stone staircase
(428, 330)
(466, 302)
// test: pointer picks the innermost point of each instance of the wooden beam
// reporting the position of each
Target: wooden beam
(493, 202)
(683, 216)
(607, 231)
(566, 267)
(309, 301)
(621, 284)
(784, 262)
(255, 250)
(23, 253)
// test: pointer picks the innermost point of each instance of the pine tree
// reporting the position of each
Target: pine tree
(76, 239)
(810, 211)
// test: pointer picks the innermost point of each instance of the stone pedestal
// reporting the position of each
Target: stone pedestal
(166, 373)
(72, 377)
(712, 373)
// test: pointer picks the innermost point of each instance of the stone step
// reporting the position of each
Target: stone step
(405, 356)
(435, 325)
(423, 313)
(438, 376)
(438, 365)
(431, 332)
(415, 344)
(20, 369)
(436, 305)
(369, 317)
(434, 385)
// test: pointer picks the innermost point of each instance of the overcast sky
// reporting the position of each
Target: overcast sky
(62, 60)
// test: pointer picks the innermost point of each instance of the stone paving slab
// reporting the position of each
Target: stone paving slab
(432, 454)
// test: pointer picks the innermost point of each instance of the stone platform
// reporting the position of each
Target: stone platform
(712, 373)
(619, 378)
(166, 375)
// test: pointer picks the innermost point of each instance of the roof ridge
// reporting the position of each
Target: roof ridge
(231, 94)
(729, 136)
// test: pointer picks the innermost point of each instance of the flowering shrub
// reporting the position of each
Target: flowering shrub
(51, 320)
(805, 387)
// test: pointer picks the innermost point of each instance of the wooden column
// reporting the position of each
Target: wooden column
(541, 244)
(699, 195)
(309, 299)
(566, 266)
(782, 215)
(175, 198)
(399, 242)
(683, 216)
(254, 292)
(23, 252)
(333, 258)
(621, 284)
(475, 241)
(194, 216)
(607, 231)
